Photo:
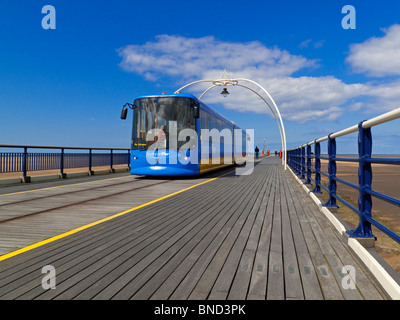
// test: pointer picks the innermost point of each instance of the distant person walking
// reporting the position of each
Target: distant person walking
(257, 151)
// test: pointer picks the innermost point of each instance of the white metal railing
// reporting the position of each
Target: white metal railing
(386, 117)
(297, 161)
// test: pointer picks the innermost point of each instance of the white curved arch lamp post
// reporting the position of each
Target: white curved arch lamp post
(240, 85)
(234, 82)
(192, 83)
(279, 115)
(208, 89)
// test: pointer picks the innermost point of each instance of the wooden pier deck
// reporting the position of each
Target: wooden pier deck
(232, 237)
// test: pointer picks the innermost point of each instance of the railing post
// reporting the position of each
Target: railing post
(308, 165)
(317, 161)
(294, 160)
(62, 175)
(303, 163)
(298, 162)
(25, 178)
(332, 173)
(364, 179)
(90, 162)
(24, 162)
(111, 161)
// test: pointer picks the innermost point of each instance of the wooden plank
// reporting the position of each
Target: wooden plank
(258, 283)
(130, 270)
(36, 203)
(81, 211)
(21, 258)
(275, 284)
(207, 280)
(182, 279)
(241, 281)
(224, 208)
(114, 264)
(77, 262)
(310, 284)
(185, 287)
(333, 262)
(41, 252)
(82, 260)
(328, 284)
(336, 254)
(293, 285)
(255, 237)
(364, 284)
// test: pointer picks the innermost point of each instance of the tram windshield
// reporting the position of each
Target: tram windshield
(156, 117)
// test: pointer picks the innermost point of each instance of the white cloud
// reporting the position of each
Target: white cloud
(377, 56)
(193, 57)
(299, 99)
(307, 98)
(307, 43)
(382, 97)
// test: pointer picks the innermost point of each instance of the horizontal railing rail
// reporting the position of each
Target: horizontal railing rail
(24, 161)
(300, 161)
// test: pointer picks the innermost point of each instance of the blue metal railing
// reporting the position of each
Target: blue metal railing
(25, 161)
(299, 160)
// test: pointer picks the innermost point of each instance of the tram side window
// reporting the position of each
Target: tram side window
(204, 119)
(186, 120)
(204, 122)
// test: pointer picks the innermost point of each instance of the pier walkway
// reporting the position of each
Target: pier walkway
(219, 236)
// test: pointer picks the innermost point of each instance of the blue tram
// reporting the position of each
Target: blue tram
(178, 135)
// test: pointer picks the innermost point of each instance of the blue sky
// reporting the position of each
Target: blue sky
(67, 86)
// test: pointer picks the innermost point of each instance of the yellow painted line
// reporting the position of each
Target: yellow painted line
(65, 234)
(63, 186)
